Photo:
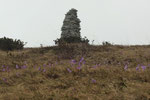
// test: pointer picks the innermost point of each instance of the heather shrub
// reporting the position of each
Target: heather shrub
(8, 44)
(106, 43)
(62, 41)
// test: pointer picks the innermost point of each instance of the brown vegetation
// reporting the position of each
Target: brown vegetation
(50, 74)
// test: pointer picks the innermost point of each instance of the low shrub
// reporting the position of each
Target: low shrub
(8, 44)
(71, 40)
(106, 43)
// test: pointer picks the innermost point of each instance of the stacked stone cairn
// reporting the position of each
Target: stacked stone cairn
(71, 29)
(71, 25)
(70, 43)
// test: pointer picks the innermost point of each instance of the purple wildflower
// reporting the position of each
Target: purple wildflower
(99, 64)
(83, 62)
(94, 66)
(44, 70)
(56, 62)
(125, 67)
(44, 65)
(93, 81)
(143, 67)
(7, 68)
(39, 68)
(79, 67)
(81, 59)
(137, 68)
(24, 66)
(3, 70)
(17, 66)
(73, 61)
(79, 64)
(69, 70)
(49, 65)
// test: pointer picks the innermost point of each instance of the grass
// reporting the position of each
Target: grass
(101, 77)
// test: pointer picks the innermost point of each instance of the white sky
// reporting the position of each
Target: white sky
(40, 21)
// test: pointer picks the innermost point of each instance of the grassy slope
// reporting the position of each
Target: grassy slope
(57, 83)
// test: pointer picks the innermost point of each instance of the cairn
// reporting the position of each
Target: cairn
(71, 25)
(71, 29)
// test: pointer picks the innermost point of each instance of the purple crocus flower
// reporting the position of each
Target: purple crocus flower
(56, 62)
(137, 68)
(7, 68)
(3, 70)
(83, 62)
(79, 67)
(93, 81)
(73, 61)
(39, 68)
(81, 59)
(44, 65)
(69, 70)
(17, 66)
(24, 66)
(143, 67)
(79, 64)
(44, 70)
(99, 64)
(125, 67)
(49, 65)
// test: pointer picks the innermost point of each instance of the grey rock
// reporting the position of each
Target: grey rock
(71, 25)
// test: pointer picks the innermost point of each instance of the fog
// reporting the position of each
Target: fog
(36, 22)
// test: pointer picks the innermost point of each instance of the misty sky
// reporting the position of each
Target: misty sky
(39, 21)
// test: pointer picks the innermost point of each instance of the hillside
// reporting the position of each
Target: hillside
(93, 73)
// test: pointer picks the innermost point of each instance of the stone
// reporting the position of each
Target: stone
(71, 25)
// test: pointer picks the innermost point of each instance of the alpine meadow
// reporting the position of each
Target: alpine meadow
(73, 69)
